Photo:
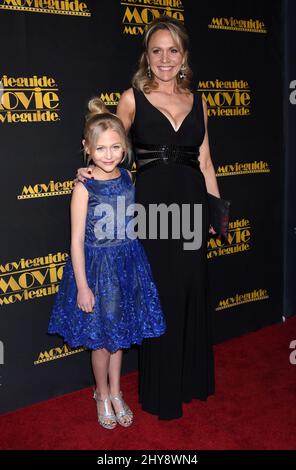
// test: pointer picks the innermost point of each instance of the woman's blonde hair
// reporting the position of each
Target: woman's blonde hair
(97, 120)
(141, 80)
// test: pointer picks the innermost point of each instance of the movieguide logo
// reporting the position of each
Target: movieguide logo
(110, 98)
(32, 278)
(53, 188)
(244, 298)
(235, 24)
(139, 13)
(54, 7)
(226, 98)
(238, 240)
(58, 352)
(28, 99)
(243, 168)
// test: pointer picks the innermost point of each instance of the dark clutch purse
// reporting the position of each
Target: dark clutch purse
(219, 214)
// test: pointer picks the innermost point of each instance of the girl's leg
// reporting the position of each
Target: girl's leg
(114, 380)
(100, 363)
(100, 359)
(114, 372)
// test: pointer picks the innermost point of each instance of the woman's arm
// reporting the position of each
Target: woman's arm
(79, 201)
(206, 164)
(126, 108)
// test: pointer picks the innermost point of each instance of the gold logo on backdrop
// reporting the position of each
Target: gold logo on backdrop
(238, 240)
(57, 353)
(110, 99)
(53, 188)
(139, 13)
(134, 169)
(239, 299)
(29, 279)
(53, 7)
(28, 99)
(234, 24)
(245, 168)
(226, 98)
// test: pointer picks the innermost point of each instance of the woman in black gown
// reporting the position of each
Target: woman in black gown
(168, 126)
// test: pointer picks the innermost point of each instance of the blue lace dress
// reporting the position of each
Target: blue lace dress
(127, 307)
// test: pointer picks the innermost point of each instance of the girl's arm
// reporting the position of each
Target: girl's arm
(206, 164)
(79, 201)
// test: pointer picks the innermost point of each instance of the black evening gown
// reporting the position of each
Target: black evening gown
(178, 366)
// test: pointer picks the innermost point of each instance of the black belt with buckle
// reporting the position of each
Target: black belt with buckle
(166, 154)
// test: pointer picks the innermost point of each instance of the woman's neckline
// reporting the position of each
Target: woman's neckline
(110, 179)
(166, 117)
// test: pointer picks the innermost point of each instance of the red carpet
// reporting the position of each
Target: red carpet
(253, 408)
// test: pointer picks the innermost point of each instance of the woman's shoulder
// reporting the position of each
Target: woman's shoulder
(126, 108)
(128, 96)
(126, 105)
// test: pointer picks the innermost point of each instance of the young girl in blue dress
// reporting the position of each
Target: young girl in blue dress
(107, 298)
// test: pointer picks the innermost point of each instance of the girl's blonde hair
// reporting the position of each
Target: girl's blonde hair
(141, 80)
(97, 120)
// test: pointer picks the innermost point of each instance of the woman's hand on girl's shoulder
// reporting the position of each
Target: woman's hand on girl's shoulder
(212, 230)
(83, 174)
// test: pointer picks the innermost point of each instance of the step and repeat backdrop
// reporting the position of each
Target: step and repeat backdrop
(55, 55)
(290, 166)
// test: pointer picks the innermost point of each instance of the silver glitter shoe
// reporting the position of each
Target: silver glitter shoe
(124, 416)
(107, 419)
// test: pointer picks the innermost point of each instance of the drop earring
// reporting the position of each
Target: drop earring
(149, 71)
(182, 74)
